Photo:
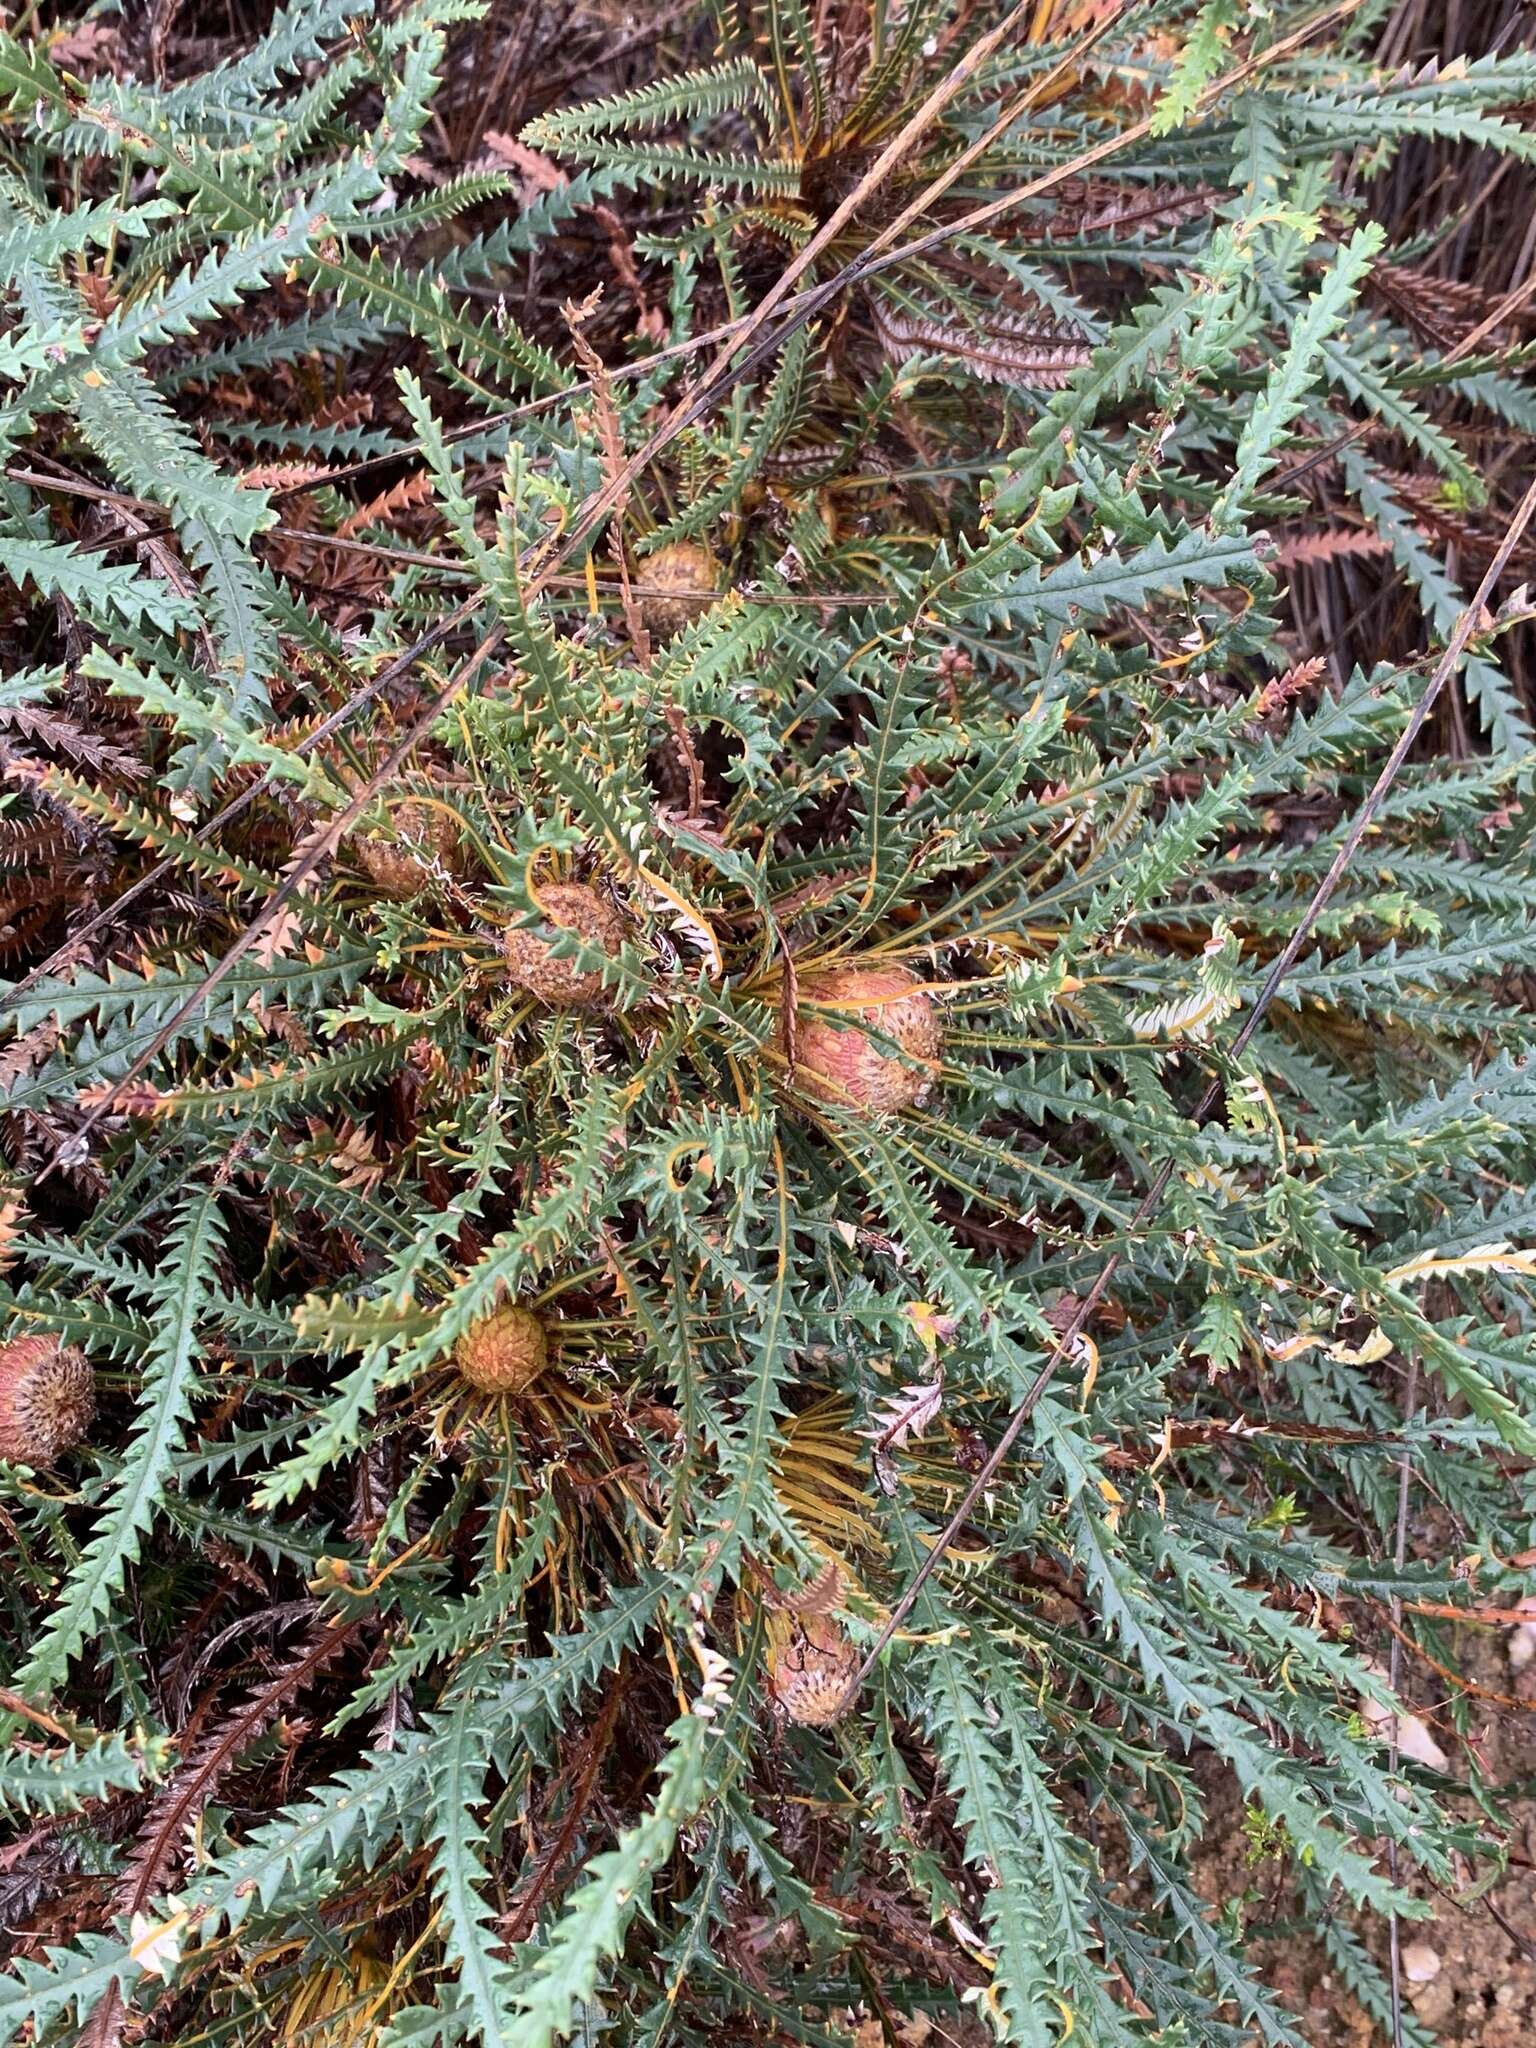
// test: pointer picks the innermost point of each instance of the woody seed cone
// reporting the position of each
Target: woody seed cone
(681, 566)
(565, 983)
(504, 1352)
(810, 1670)
(425, 837)
(47, 1399)
(838, 1062)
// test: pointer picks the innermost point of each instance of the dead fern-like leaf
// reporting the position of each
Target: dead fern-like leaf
(388, 505)
(1006, 348)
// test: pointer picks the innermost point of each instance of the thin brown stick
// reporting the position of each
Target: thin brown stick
(728, 366)
(899, 145)
(13, 1703)
(981, 216)
(1150, 1202)
(1524, 1944)
(693, 408)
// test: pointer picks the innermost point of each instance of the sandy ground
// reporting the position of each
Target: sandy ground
(1483, 1994)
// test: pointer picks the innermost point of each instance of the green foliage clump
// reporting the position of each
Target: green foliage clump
(409, 1705)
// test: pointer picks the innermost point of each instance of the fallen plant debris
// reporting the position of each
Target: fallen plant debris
(765, 1150)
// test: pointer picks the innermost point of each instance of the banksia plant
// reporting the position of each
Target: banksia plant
(862, 1038)
(504, 1287)
(47, 1399)
(564, 982)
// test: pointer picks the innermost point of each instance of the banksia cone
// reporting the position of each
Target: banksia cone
(838, 1062)
(565, 983)
(425, 837)
(504, 1352)
(680, 567)
(811, 1667)
(47, 1399)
